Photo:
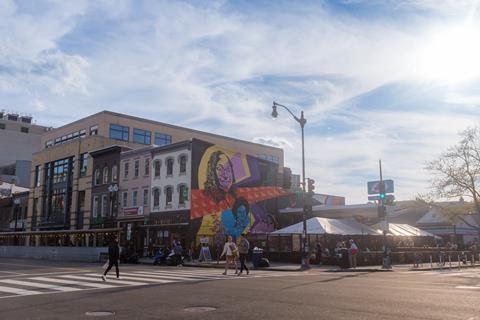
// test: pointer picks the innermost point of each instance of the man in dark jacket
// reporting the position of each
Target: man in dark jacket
(113, 257)
(243, 248)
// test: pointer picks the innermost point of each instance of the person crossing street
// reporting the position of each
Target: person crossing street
(243, 248)
(113, 257)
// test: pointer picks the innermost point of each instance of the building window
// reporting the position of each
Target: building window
(96, 206)
(169, 167)
(182, 194)
(125, 170)
(94, 130)
(24, 129)
(104, 205)
(147, 167)
(183, 164)
(105, 175)
(125, 199)
(114, 173)
(134, 198)
(168, 196)
(142, 136)
(136, 168)
(97, 177)
(82, 133)
(49, 144)
(61, 170)
(145, 197)
(83, 164)
(119, 132)
(162, 139)
(156, 197)
(156, 165)
(38, 171)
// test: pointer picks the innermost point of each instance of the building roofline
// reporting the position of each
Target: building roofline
(100, 151)
(126, 116)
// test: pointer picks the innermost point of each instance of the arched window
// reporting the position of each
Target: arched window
(156, 168)
(182, 194)
(114, 173)
(168, 195)
(183, 164)
(105, 175)
(169, 166)
(97, 176)
(156, 197)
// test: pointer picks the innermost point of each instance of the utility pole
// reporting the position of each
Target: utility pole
(383, 210)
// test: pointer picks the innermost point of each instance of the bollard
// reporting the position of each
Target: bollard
(450, 262)
(431, 262)
(459, 266)
(440, 261)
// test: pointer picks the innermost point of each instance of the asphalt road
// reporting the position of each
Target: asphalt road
(50, 290)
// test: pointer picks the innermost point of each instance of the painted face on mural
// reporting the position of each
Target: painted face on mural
(224, 173)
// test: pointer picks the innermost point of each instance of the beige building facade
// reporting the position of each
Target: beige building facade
(60, 190)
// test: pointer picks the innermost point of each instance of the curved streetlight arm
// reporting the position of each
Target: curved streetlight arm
(300, 120)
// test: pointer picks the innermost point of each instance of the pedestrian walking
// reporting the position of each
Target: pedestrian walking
(318, 255)
(113, 257)
(230, 250)
(243, 248)
(352, 254)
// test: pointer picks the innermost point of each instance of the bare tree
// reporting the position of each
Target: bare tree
(456, 174)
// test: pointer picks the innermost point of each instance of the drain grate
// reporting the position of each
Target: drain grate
(199, 309)
(99, 313)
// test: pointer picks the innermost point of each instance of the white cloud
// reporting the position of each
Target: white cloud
(213, 67)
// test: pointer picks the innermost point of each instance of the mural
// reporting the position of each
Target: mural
(232, 193)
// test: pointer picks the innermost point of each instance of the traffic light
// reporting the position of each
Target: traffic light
(381, 190)
(311, 186)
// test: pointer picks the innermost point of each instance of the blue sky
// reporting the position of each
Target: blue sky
(395, 80)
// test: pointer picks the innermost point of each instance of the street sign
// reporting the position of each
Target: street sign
(374, 186)
(388, 197)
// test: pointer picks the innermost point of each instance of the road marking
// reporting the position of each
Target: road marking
(89, 278)
(179, 275)
(39, 285)
(79, 283)
(469, 287)
(21, 292)
(133, 278)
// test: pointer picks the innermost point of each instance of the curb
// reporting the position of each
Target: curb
(444, 268)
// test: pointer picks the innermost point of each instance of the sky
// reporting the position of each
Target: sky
(390, 80)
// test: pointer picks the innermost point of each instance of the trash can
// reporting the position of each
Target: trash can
(257, 255)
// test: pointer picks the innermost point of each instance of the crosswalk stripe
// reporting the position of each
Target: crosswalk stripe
(79, 283)
(179, 275)
(21, 292)
(39, 285)
(132, 278)
(468, 287)
(168, 277)
(86, 278)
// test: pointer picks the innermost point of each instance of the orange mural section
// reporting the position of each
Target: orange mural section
(202, 205)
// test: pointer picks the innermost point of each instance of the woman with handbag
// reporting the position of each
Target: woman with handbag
(230, 250)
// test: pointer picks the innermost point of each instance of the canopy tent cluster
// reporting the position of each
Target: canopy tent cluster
(319, 225)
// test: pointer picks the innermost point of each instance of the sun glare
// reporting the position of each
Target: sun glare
(451, 55)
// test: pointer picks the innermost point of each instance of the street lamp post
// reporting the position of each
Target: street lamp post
(302, 121)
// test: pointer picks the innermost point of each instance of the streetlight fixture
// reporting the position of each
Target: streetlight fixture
(302, 121)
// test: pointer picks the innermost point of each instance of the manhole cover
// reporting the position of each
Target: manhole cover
(200, 309)
(99, 313)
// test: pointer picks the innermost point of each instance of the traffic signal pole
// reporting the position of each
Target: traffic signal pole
(381, 203)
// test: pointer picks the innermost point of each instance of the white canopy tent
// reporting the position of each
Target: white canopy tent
(398, 229)
(319, 225)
